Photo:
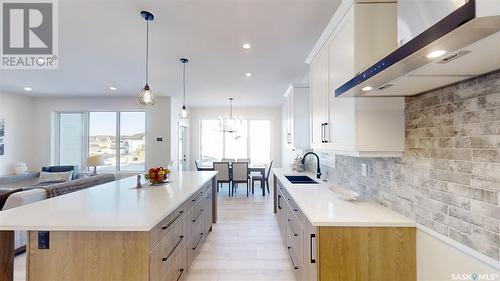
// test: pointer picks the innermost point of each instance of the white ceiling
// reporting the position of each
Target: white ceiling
(101, 44)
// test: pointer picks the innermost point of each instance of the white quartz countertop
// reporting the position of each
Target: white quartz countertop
(114, 206)
(322, 207)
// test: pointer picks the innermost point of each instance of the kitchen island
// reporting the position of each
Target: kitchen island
(335, 240)
(114, 231)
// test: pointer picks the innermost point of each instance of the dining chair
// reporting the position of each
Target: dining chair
(247, 160)
(228, 160)
(240, 175)
(223, 175)
(265, 177)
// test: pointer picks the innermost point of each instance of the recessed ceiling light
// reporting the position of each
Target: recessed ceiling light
(246, 46)
(113, 88)
(436, 54)
(28, 89)
(248, 74)
(366, 89)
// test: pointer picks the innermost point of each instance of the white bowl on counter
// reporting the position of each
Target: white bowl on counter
(344, 193)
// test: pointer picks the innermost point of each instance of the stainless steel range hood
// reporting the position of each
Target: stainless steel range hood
(469, 35)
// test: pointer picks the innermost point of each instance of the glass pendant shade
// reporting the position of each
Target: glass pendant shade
(184, 114)
(146, 97)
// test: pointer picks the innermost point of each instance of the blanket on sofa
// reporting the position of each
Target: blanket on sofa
(75, 185)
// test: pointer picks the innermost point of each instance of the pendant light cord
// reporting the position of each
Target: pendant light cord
(184, 85)
(230, 108)
(147, 52)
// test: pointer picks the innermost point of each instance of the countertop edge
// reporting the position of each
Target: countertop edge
(405, 222)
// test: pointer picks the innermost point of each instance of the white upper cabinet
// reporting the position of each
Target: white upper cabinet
(364, 127)
(319, 99)
(297, 115)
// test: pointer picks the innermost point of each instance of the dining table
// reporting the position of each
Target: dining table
(252, 167)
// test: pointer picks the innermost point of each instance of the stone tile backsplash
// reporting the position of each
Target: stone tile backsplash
(449, 176)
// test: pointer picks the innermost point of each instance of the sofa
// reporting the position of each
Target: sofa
(37, 193)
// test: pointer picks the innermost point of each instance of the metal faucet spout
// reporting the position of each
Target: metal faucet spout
(318, 168)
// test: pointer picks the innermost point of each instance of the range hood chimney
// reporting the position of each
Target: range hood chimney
(461, 43)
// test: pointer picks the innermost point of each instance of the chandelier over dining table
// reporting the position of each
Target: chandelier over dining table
(230, 123)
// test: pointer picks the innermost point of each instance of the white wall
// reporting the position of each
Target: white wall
(251, 113)
(17, 112)
(157, 124)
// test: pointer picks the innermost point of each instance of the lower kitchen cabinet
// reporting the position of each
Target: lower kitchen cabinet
(339, 253)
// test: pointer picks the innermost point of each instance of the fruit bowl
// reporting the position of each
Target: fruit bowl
(157, 175)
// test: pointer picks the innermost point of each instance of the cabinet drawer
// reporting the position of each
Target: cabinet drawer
(208, 186)
(195, 197)
(162, 228)
(208, 211)
(196, 237)
(196, 212)
(168, 260)
(294, 207)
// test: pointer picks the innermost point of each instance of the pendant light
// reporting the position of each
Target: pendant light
(230, 123)
(184, 114)
(146, 96)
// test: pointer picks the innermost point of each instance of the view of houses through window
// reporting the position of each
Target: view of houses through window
(118, 136)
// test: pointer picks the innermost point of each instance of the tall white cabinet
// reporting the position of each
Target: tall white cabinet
(365, 32)
(297, 117)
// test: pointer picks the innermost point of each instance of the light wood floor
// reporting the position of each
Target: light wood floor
(245, 244)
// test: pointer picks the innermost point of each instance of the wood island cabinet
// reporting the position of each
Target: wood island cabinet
(165, 253)
(340, 253)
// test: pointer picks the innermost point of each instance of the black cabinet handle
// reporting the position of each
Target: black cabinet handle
(175, 247)
(322, 133)
(180, 275)
(291, 228)
(196, 246)
(174, 220)
(312, 247)
(291, 258)
(327, 132)
(199, 215)
(279, 201)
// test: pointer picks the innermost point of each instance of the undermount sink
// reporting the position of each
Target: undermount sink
(300, 180)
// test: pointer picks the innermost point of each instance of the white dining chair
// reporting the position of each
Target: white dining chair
(247, 160)
(240, 175)
(223, 175)
(228, 160)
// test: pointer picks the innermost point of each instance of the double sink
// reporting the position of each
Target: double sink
(300, 180)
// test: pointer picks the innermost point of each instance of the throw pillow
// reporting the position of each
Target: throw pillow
(55, 177)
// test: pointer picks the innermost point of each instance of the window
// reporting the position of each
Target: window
(119, 136)
(260, 141)
(236, 144)
(211, 140)
(132, 141)
(71, 143)
(102, 138)
(252, 141)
